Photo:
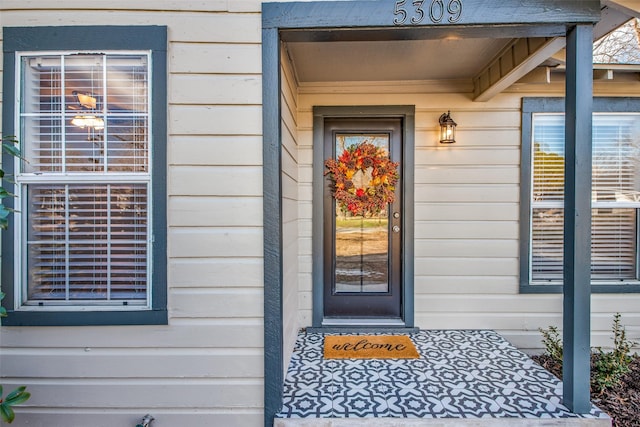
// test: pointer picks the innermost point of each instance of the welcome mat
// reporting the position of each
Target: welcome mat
(369, 347)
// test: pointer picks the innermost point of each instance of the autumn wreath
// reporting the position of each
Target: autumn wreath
(364, 179)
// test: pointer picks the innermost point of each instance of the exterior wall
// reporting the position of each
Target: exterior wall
(467, 210)
(206, 366)
(291, 189)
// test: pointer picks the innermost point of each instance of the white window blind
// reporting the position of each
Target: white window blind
(615, 197)
(85, 182)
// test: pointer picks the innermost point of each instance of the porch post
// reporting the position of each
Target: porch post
(272, 212)
(577, 219)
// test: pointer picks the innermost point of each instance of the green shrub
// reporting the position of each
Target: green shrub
(552, 343)
(608, 367)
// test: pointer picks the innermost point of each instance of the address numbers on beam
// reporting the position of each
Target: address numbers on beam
(434, 10)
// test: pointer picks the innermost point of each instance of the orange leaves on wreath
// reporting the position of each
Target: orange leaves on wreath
(371, 164)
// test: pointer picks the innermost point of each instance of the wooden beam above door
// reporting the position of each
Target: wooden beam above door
(631, 7)
(401, 14)
(523, 55)
(514, 62)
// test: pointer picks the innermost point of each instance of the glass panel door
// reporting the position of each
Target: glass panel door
(363, 218)
(361, 241)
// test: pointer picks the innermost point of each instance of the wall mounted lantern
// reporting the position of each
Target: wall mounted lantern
(447, 129)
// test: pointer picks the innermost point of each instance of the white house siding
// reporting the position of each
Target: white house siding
(205, 368)
(290, 216)
(466, 210)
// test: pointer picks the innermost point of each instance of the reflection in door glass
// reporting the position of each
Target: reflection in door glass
(361, 242)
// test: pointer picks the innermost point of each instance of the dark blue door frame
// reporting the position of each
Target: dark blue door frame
(378, 20)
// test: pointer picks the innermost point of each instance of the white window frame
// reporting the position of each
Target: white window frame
(23, 180)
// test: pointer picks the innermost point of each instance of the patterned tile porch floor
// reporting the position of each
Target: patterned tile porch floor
(459, 375)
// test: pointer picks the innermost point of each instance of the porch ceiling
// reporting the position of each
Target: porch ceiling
(394, 60)
(472, 55)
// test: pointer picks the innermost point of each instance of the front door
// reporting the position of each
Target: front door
(362, 233)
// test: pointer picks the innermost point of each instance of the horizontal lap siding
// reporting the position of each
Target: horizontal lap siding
(140, 5)
(206, 367)
(290, 214)
(467, 213)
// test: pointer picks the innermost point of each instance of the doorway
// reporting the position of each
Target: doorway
(363, 269)
(362, 245)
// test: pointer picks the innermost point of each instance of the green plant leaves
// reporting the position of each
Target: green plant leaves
(16, 397)
(9, 146)
(6, 413)
(552, 342)
(19, 395)
(607, 367)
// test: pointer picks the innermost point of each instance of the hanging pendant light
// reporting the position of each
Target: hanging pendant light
(88, 121)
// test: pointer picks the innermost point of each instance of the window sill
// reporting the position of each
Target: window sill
(85, 318)
(596, 288)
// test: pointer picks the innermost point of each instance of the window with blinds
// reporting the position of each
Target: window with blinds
(84, 184)
(615, 198)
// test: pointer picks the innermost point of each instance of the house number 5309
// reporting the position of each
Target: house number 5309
(436, 9)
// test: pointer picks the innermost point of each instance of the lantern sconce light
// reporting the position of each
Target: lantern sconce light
(447, 128)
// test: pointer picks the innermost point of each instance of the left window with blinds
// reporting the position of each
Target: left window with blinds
(84, 182)
(84, 227)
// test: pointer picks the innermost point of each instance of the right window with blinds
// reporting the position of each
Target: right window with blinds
(615, 198)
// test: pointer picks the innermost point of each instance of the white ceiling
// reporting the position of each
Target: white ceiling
(392, 60)
(435, 54)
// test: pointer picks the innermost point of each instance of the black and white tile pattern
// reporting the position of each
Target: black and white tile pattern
(460, 374)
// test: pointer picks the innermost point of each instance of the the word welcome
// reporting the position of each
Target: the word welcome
(366, 345)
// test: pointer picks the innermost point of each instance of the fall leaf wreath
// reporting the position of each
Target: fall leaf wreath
(364, 179)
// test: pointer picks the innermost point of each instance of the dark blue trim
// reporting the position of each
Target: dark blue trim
(87, 38)
(407, 114)
(367, 13)
(408, 217)
(556, 105)
(96, 38)
(577, 220)
(272, 217)
(7, 259)
(600, 105)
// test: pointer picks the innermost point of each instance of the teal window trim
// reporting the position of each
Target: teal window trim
(95, 38)
(530, 106)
